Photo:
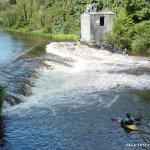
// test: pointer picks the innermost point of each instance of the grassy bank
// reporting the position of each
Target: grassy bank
(55, 37)
(2, 89)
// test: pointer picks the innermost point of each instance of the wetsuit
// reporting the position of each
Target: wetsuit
(128, 121)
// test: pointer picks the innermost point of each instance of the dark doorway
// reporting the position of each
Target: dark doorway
(102, 21)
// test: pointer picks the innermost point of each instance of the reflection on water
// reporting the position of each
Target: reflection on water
(11, 44)
(144, 96)
(38, 51)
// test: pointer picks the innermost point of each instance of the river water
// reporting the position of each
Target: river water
(62, 96)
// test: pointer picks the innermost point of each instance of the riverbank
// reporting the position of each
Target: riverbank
(54, 37)
(65, 37)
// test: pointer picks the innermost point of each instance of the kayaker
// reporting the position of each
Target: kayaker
(128, 120)
(125, 51)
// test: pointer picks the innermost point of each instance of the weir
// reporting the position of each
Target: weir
(72, 68)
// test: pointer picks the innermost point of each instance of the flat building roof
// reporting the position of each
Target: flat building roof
(102, 13)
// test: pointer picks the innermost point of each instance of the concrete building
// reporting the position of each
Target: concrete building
(94, 24)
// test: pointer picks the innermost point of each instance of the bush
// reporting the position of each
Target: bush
(141, 37)
(140, 44)
(127, 34)
(109, 38)
(117, 41)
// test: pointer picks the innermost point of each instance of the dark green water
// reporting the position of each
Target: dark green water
(68, 94)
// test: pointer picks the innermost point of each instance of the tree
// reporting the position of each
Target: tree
(123, 24)
(12, 2)
(139, 10)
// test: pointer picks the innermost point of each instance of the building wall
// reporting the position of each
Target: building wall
(91, 31)
(85, 27)
(98, 31)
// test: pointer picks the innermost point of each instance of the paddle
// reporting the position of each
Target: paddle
(115, 119)
(138, 119)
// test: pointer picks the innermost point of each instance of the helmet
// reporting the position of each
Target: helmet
(128, 115)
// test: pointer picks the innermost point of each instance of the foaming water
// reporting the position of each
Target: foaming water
(100, 69)
(75, 71)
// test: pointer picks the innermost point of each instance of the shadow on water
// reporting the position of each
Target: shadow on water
(2, 133)
(144, 96)
(35, 44)
(27, 38)
(144, 102)
(38, 51)
(144, 54)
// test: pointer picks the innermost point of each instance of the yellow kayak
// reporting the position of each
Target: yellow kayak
(130, 127)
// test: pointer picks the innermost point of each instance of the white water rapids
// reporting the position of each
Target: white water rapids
(88, 70)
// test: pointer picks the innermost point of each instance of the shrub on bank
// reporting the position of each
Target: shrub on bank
(128, 34)
(141, 36)
(117, 41)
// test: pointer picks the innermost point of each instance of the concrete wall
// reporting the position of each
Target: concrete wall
(98, 31)
(85, 27)
(91, 31)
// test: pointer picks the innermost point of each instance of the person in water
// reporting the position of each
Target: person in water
(125, 51)
(128, 120)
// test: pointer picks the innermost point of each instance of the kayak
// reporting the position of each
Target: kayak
(132, 127)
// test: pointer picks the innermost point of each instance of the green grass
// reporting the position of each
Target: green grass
(67, 37)
(60, 37)
(55, 37)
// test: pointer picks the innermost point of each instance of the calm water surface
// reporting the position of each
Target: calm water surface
(62, 96)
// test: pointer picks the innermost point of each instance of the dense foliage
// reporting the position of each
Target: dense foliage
(54, 16)
(132, 26)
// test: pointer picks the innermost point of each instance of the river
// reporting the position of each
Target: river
(62, 96)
